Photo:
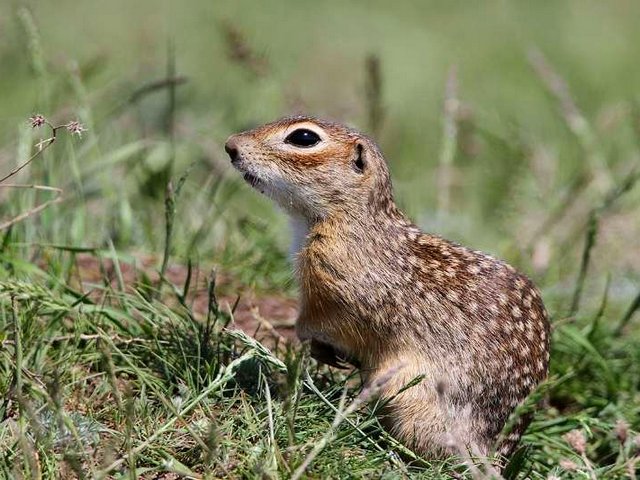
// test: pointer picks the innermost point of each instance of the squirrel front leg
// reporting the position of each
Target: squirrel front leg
(323, 348)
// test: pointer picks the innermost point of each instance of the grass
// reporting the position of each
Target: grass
(117, 359)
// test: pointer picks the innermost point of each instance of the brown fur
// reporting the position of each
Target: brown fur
(378, 292)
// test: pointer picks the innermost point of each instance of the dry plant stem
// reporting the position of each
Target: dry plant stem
(170, 212)
(449, 140)
(113, 338)
(170, 193)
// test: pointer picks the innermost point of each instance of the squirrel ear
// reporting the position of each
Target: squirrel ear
(359, 162)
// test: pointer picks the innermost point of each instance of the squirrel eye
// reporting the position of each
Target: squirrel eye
(303, 138)
(358, 164)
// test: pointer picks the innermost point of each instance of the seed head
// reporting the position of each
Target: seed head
(575, 439)
(37, 121)
(76, 127)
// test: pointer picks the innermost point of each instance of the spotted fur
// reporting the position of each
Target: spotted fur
(378, 292)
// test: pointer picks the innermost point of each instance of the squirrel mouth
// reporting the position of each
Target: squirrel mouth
(251, 179)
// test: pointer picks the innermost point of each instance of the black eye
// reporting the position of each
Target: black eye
(303, 138)
(358, 163)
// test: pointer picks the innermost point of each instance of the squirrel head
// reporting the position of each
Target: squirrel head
(313, 168)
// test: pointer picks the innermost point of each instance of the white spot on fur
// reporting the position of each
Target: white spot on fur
(485, 264)
(474, 269)
(435, 264)
(412, 235)
(453, 296)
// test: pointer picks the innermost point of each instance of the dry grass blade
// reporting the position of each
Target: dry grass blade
(35, 210)
(260, 350)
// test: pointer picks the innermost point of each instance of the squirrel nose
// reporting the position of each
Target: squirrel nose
(231, 149)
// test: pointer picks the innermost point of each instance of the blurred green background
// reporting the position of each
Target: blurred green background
(248, 62)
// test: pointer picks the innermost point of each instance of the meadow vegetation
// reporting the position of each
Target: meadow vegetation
(130, 252)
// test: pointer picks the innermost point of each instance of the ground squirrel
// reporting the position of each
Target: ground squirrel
(379, 293)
